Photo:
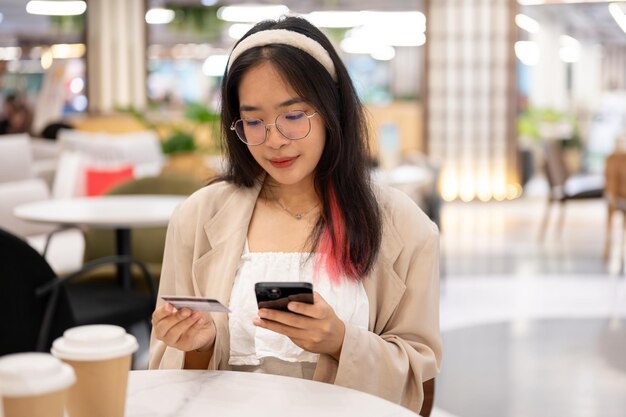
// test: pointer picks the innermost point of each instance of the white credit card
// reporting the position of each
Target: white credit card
(196, 303)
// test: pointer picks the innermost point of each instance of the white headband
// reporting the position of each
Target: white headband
(285, 37)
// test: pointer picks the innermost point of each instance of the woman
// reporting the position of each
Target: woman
(296, 204)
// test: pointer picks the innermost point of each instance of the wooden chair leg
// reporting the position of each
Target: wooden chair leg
(561, 221)
(544, 222)
(608, 238)
(623, 244)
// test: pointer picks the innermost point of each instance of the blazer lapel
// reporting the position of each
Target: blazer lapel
(383, 286)
(384, 289)
(214, 270)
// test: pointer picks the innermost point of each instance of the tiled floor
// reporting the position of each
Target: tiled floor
(530, 328)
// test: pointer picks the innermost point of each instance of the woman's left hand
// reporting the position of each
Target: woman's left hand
(315, 328)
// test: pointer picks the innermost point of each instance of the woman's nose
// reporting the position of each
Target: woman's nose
(274, 138)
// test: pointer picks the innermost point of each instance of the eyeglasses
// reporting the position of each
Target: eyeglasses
(293, 125)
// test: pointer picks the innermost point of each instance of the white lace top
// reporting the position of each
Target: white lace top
(256, 349)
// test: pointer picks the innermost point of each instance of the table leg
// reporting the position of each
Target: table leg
(122, 240)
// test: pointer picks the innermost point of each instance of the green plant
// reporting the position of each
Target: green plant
(72, 23)
(531, 122)
(201, 20)
(179, 141)
(199, 130)
(201, 114)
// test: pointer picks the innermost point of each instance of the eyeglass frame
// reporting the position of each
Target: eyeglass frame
(267, 125)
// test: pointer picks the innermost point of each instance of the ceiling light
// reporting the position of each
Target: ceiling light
(215, 65)
(159, 16)
(390, 29)
(366, 46)
(10, 53)
(209, 2)
(527, 52)
(80, 103)
(77, 85)
(399, 38)
(1, 17)
(66, 51)
(355, 45)
(46, 59)
(527, 23)
(388, 35)
(237, 30)
(412, 21)
(251, 13)
(383, 53)
(56, 8)
(336, 19)
(618, 14)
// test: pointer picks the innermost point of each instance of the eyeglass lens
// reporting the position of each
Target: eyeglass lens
(292, 125)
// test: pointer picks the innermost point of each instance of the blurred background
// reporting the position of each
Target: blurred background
(504, 120)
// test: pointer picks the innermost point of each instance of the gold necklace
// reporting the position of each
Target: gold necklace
(297, 216)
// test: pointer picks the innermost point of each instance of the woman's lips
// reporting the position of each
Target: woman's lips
(283, 162)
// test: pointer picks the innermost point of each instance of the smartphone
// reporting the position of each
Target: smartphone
(277, 295)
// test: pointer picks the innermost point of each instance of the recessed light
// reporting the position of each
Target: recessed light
(56, 8)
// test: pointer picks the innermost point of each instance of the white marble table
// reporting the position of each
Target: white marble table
(185, 393)
(121, 213)
(111, 212)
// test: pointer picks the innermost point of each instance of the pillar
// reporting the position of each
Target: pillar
(470, 92)
(116, 55)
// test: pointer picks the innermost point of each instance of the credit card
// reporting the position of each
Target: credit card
(196, 303)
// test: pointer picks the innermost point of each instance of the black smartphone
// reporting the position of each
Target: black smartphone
(277, 295)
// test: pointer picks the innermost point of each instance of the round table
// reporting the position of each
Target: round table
(187, 393)
(111, 212)
(121, 213)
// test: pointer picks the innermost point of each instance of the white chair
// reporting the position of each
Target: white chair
(16, 159)
(81, 151)
(45, 158)
(141, 149)
(65, 251)
(14, 193)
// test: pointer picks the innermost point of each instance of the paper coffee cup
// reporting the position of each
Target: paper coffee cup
(101, 357)
(34, 385)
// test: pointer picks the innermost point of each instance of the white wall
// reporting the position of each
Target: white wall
(406, 71)
(549, 76)
(587, 74)
(548, 87)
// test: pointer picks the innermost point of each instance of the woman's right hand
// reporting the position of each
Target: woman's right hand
(184, 329)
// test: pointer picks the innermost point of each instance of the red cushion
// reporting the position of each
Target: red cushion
(99, 180)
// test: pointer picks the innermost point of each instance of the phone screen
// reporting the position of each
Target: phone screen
(277, 295)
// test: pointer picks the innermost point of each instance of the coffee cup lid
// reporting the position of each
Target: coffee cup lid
(25, 374)
(94, 342)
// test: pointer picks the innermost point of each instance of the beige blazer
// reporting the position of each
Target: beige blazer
(402, 347)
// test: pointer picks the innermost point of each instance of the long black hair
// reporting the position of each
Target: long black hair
(350, 228)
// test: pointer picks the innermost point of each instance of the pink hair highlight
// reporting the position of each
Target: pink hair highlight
(333, 247)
